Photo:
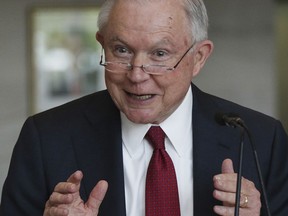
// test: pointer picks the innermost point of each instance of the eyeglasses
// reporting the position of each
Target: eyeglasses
(123, 67)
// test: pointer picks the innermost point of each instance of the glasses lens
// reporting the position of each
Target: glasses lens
(121, 67)
(157, 69)
(117, 67)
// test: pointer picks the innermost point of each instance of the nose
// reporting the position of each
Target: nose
(137, 73)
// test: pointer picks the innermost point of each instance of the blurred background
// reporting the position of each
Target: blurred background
(48, 56)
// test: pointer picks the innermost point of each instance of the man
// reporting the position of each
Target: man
(153, 49)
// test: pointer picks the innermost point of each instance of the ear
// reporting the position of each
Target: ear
(202, 51)
(100, 38)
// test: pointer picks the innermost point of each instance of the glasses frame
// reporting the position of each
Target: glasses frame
(144, 67)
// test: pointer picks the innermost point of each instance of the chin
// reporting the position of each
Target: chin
(144, 119)
(139, 118)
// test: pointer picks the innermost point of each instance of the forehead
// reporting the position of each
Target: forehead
(149, 18)
(151, 13)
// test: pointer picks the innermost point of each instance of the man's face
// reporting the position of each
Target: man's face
(149, 33)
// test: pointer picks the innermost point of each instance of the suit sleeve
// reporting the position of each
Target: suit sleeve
(24, 191)
(277, 181)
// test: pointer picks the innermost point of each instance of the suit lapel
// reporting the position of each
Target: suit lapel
(98, 149)
(212, 143)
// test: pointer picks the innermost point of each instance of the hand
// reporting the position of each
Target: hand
(225, 191)
(66, 201)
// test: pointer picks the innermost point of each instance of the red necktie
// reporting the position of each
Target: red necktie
(162, 197)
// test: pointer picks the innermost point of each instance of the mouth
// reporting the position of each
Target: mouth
(141, 97)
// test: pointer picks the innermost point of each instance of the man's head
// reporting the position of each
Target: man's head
(152, 32)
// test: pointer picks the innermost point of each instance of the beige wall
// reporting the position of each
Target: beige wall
(242, 68)
(282, 60)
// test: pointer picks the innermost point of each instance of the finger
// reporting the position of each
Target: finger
(72, 185)
(227, 166)
(224, 210)
(66, 187)
(230, 211)
(226, 177)
(97, 195)
(248, 187)
(225, 182)
(58, 199)
(63, 191)
(56, 211)
(76, 177)
(227, 198)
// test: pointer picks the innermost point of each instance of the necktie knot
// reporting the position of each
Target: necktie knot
(156, 137)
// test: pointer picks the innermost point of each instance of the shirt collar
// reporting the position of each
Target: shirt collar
(133, 134)
(176, 126)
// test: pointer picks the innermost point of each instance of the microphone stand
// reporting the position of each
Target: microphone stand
(241, 125)
(239, 174)
(264, 193)
(232, 120)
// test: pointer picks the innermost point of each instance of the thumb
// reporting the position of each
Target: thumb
(97, 195)
(227, 166)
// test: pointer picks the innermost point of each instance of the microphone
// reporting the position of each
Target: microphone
(233, 120)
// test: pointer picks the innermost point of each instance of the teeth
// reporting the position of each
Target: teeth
(142, 97)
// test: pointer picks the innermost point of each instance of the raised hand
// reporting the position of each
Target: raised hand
(66, 201)
(225, 191)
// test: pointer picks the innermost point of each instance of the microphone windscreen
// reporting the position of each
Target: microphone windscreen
(219, 118)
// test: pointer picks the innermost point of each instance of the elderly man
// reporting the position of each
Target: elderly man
(152, 50)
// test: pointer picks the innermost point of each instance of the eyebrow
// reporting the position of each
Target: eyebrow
(116, 39)
(164, 41)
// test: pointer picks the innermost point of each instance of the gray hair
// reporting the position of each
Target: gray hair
(195, 11)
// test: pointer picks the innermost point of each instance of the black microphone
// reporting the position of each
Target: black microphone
(233, 120)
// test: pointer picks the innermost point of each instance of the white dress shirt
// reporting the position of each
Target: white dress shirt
(137, 153)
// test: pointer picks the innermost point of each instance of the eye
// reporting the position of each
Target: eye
(160, 53)
(121, 49)
(121, 52)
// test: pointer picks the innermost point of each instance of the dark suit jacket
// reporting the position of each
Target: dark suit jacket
(86, 135)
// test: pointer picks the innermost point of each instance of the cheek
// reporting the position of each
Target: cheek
(181, 79)
(113, 80)
(177, 86)
(175, 93)
(113, 84)
(188, 71)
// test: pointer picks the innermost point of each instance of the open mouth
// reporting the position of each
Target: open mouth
(141, 97)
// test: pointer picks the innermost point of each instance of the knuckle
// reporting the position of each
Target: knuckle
(51, 198)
